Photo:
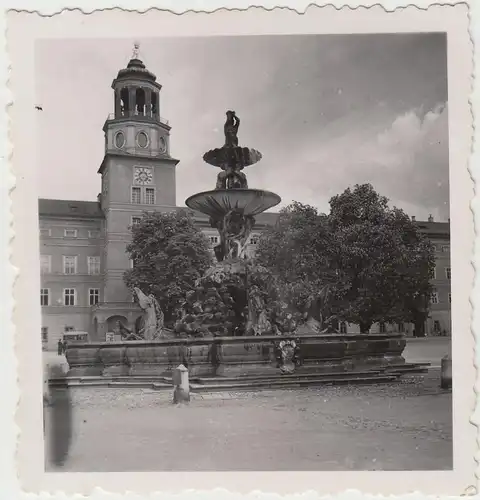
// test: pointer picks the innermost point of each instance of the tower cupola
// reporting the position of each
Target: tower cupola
(136, 127)
(137, 93)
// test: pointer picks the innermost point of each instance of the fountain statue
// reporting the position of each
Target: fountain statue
(153, 322)
(239, 307)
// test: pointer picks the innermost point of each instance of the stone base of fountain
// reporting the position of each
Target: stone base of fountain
(238, 356)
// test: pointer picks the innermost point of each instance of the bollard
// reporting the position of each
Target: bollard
(181, 385)
(446, 373)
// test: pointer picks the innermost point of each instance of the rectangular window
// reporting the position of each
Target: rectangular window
(44, 232)
(445, 248)
(382, 328)
(213, 240)
(149, 196)
(136, 195)
(94, 234)
(401, 328)
(69, 296)
(136, 220)
(448, 273)
(44, 296)
(69, 329)
(436, 326)
(254, 240)
(449, 298)
(69, 264)
(93, 296)
(434, 298)
(45, 264)
(70, 233)
(343, 327)
(44, 334)
(93, 265)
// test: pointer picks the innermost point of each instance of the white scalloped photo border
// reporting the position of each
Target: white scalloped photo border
(12, 234)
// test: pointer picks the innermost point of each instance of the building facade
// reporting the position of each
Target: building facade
(82, 243)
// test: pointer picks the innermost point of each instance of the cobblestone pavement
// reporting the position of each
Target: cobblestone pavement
(401, 426)
(427, 350)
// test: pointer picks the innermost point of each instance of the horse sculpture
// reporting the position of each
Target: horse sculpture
(153, 324)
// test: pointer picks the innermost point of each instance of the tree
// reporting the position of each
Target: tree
(385, 262)
(298, 250)
(372, 260)
(169, 254)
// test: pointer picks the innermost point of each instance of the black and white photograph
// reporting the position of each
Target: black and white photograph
(246, 251)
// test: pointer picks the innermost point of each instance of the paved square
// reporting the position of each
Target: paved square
(402, 426)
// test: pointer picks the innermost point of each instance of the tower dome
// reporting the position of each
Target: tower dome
(136, 69)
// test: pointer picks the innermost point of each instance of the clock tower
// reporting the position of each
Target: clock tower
(138, 174)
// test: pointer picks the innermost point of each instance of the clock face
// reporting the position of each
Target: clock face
(143, 176)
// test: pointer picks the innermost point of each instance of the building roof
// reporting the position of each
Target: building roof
(69, 208)
(92, 209)
(434, 229)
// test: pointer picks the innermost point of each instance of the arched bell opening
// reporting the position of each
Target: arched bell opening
(140, 102)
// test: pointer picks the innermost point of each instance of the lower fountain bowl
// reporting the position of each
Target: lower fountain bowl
(219, 202)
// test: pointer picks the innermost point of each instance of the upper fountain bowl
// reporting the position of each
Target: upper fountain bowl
(232, 155)
(219, 202)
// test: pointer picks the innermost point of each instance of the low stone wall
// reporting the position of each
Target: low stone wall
(235, 356)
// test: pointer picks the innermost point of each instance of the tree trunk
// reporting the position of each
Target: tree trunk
(365, 327)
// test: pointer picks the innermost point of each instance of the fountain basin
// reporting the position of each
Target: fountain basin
(219, 202)
(240, 156)
(235, 356)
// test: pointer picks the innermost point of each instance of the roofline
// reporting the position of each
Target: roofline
(136, 119)
(130, 77)
(71, 216)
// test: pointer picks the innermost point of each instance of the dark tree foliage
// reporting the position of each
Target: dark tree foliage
(373, 258)
(298, 250)
(169, 254)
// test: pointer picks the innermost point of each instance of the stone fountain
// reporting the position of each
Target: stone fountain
(225, 301)
(229, 329)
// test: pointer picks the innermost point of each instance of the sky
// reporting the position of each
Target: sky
(326, 112)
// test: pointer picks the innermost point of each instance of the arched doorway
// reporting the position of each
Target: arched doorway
(112, 323)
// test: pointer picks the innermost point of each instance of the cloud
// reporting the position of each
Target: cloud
(413, 153)
(405, 157)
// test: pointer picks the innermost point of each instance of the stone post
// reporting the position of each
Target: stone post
(446, 372)
(181, 385)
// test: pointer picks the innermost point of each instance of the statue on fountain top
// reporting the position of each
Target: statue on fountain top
(231, 129)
